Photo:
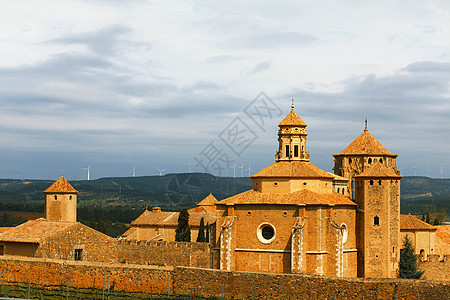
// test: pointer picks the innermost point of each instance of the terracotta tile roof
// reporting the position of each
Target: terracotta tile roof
(337, 177)
(295, 169)
(203, 209)
(301, 197)
(61, 186)
(3, 229)
(378, 170)
(409, 222)
(35, 231)
(210, 200)
(443, 239)
(292, 119)
(171, 218)
(129, 231)
(365, 144)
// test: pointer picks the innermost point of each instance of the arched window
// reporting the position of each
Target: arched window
(370, 161)
(342, 191)
(376, 221)
(339, 190)
(371, 182)
(379, 182)
(56, 197)
(381, 160)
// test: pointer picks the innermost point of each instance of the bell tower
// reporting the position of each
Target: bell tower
(292, 138)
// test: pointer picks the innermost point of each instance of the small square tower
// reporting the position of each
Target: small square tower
(61, 202)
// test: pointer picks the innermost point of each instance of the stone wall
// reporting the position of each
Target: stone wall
(435, 268)
(163, 253)
(207, 282)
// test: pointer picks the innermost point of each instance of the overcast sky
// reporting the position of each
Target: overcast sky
(161, 84)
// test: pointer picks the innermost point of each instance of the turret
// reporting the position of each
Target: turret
(61, 202)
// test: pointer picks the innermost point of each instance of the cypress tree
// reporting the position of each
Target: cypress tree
(183, 232)
(207, 233)
(201, 231)
(427, 218)
(407, 267)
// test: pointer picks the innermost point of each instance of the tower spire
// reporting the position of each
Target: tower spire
(365, 127)
(292, 105)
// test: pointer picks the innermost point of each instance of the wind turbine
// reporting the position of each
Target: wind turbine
(134, 171)
(442, 169)
(88, 171)
(249, 170)
(242, 170)
(415, 174)
(428, 171)
(234, 171)
(190, 167)
(160, 171)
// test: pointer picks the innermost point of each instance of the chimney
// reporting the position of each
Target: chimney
(156, 209)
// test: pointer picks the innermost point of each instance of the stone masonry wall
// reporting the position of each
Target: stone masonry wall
(208, 282)
(163, 253)
(435, 269)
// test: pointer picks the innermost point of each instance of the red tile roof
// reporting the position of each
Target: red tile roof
(301, 197)
(35, 231)
(210, 200)
(409, 222)
(292, 119)
(293, 169)
(171, 218)
(365, 144)
(61, 186)
(378, 170)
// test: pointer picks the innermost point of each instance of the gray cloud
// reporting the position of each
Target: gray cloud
(270, 40)
(262, 66)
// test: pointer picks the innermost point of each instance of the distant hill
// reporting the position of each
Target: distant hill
(174, 191)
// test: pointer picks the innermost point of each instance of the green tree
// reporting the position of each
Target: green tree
(207, 233)
(407, 267)
(183, 232)
(201, 231)
(436, 221)
(427, 218)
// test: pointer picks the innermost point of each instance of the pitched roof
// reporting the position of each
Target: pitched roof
(337, 177)
(409, 222)
(61, 186)
(130, 231)
(292, 119)
(35, 231)
(296, 169)
(171, 218)
(378, 170)
(365, 144)
(301, 197)
(210, 200)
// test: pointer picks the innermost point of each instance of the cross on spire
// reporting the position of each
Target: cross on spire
(365, 127)
(292, 105)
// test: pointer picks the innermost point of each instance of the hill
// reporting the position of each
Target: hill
(175, 191)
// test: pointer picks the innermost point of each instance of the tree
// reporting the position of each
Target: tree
(183, 232)
(407, 267)
(436, 221)
(201, 231)
(207, 233)
(427, 218)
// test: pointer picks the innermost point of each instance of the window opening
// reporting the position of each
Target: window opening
(295, 150)
(381, 160)
(370, 161)
(78, 254)
(371, 182)
(287, 150)
(379, 182)
(376, 221)
(56, 197)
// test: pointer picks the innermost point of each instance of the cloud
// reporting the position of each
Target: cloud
(262, 66)
(102, 41)
(429, 66)
(271, 40)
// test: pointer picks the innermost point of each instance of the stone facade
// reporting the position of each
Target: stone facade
(61, 202)
(435, 268)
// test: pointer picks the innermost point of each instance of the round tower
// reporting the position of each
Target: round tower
(61, 202)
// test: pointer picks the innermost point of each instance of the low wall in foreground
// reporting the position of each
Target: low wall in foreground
(208, 282)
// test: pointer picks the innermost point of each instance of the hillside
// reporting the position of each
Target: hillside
(174, 191)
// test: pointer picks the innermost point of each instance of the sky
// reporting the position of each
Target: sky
(183, 86)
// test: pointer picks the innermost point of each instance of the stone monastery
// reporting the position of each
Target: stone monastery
(296, 218)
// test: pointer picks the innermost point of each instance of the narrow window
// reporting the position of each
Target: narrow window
(287, 150)
(381, 160)
(376, 221)
(379, 182)
(370, 161)
(353, 190)
(2, 250)
(56, 197)
(349, 160)
(342, 191)
(70, 197)
(78, 254)
(371, 182)
(339, 190)
(295, 150)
